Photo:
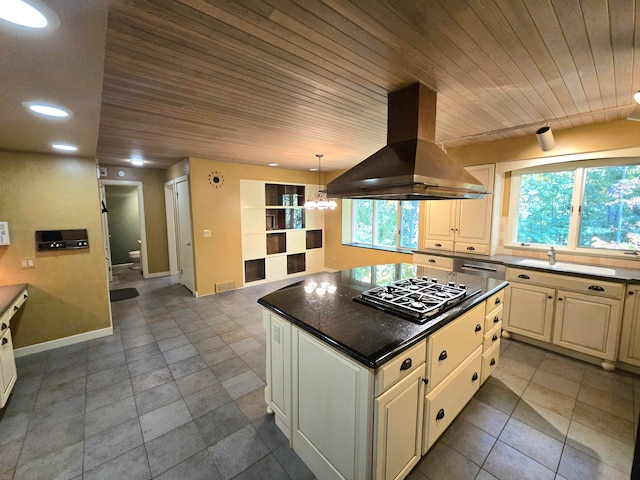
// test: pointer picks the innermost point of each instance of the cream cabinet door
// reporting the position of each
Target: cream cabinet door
(630, 336)
(8, 373)
(587, 324)
(398, 427)
(441, 220)
(278, 370)
(529, 311)
(473, 221)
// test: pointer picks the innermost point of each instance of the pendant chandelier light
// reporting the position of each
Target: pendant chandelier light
(320, 200)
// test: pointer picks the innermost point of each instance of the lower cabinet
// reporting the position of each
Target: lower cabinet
(8, 373)
(579, 314)
(347, 421)
(630, 335)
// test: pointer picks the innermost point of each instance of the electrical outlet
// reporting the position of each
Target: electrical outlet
(27, 262)
(206, 233)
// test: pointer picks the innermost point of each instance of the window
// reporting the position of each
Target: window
(592, 206)
(385, 223)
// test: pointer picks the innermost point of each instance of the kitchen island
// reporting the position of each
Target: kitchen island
(362, 393)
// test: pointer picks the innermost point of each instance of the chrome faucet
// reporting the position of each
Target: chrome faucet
(552, 256)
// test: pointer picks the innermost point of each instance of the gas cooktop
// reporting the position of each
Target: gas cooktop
(416, 299)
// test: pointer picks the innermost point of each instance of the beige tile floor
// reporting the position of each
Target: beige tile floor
(177, 393)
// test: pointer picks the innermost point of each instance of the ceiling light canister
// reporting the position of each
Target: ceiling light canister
(636, 97)
(545, 138)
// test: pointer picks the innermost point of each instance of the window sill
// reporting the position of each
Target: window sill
(408, 251)
(601, 254)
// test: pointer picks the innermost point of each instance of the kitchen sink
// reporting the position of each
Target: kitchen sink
(568, 267)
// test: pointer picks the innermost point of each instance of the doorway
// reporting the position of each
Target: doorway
(124, 226)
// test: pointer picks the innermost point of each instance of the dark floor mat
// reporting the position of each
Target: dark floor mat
(123, 294)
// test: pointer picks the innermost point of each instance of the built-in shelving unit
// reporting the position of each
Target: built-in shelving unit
(279, 237)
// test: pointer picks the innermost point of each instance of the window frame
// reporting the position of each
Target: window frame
(374, 226)
(579, 168)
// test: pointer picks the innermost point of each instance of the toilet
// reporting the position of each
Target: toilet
(134, 258)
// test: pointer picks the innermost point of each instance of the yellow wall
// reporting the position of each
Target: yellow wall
(68, 290)
(219, 257)
(154, 212)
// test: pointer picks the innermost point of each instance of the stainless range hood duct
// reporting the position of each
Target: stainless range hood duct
(411, 166)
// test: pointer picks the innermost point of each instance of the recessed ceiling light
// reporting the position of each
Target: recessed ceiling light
(137, 162)
(31, 14)
(274, 164)
(64, 147)
(47, 110)
(313, 169)
(636, 97)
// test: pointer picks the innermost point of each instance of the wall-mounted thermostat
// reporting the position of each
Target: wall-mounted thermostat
(4, 233)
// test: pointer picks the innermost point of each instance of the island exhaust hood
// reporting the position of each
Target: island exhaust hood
(411, 166)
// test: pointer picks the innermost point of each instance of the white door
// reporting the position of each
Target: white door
(105, 232)
(185, 240)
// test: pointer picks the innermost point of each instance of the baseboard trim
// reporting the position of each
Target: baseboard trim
(63, 342)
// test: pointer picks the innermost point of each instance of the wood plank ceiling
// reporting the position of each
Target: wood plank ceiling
(277, 81)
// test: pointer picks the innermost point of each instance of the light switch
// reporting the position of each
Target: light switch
(27, 262)
(206, 233)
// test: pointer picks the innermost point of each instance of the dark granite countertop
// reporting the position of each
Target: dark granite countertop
(364, 333)
(627, 275)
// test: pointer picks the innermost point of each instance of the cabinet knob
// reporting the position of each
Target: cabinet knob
(495, 337)
(478, 327)
(25, 295)
(15, 308)
(523, 276)
(474, 377)
(492, 362)
(498, 301)
(630, 293)
(4, 326)
(443, 355)
(440, 414)
(406, 365)
(550, 297)
(437, 245)
(496, 319)
(431, 260)
(559, 299)
(5, 341)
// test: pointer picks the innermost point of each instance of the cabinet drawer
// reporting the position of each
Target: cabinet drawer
(444, 403)
(492, 337)
(401, 366)
(493, 317)
(19, 301)
(494, 301)
(478, 248)
(433, 261)
(444, 245)
(490, 360)
(451, 345)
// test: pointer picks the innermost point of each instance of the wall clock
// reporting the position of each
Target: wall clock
(216, 180)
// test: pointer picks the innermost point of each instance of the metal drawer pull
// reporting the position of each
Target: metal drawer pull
(431, 260)
(492, 362)
(526, 277)
(475, 376)
(15, 308)
(597, 288)
(498, 301)
(443, 355)
(4, 326)
(437, 245)
(440, 414)
(4, 341)
(478, 327)
(406, 365)
(496, 319)
(470, 248)
(495, 337)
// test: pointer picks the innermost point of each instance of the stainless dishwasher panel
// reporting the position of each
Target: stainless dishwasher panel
(483, 269)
